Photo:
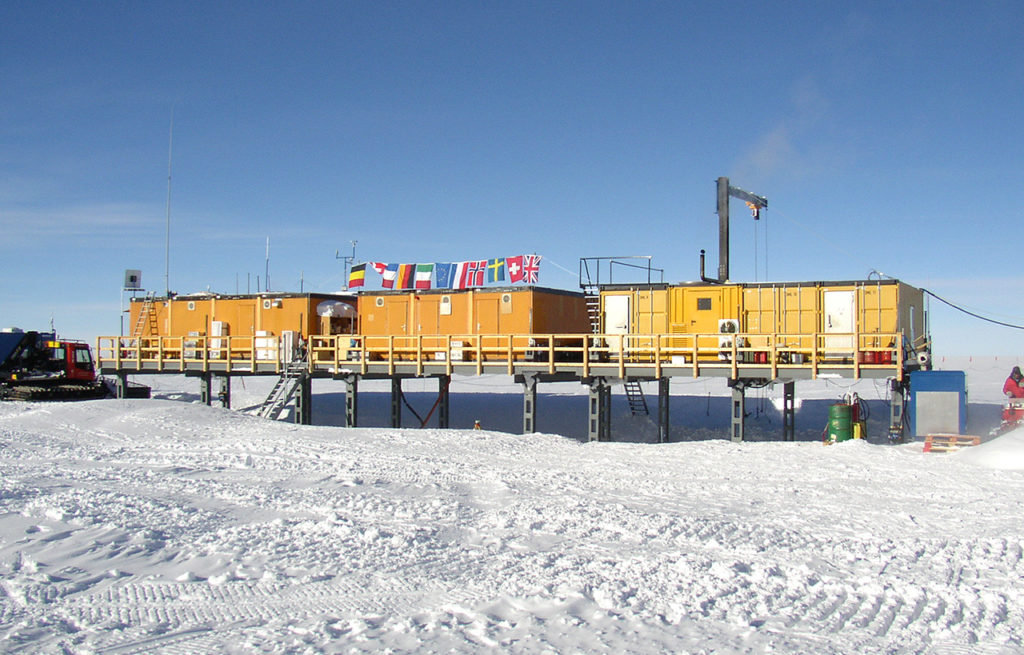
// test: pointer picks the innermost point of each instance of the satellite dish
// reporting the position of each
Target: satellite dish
(336, 309)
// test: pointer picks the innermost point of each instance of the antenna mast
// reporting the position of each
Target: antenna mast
(348, 260)
(167, 244)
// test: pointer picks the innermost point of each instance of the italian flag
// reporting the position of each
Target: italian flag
(424, 272)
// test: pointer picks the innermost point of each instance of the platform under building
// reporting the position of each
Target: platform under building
(598, 361)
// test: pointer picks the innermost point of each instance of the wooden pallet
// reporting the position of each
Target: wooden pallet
(946, 443)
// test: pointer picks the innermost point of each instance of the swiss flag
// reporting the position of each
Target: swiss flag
(515, 268)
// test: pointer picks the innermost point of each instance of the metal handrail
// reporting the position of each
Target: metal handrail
(588, 281)
(775, 351)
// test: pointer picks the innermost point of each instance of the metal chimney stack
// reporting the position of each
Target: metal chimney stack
(723, 229)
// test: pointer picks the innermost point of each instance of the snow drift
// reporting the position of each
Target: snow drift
(161, 526)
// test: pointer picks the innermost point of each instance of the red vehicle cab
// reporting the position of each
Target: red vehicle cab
(75, 358)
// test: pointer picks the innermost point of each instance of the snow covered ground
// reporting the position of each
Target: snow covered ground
(164, 526)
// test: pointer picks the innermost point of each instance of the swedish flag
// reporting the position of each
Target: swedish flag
(496, 270)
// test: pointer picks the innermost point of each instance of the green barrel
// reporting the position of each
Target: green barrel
(840, 422)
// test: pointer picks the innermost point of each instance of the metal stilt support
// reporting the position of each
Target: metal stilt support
(304, 401)
(205, 392)
(529, 403)
(443, 409)
(739, 410)
(897, 403)
(121, 387)
(600, 419)
(351, 400)
(789, 411)
(224, 395)
(663, 400)
(396, 402)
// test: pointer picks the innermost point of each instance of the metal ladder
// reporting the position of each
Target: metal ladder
(283, 391)
(592, 295)
(146, 314)
(635, 396)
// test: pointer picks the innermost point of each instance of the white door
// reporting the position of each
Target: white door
(616, 318)
(839, 318)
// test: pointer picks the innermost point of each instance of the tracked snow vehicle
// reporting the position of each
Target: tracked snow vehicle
(39, 366)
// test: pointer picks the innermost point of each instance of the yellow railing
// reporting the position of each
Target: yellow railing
(770, 354)
(167, 354)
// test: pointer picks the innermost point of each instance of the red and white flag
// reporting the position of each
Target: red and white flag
(515, 268)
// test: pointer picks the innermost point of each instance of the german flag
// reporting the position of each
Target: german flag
(357, 276)
(405, 276)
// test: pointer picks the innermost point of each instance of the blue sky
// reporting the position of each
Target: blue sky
(886, 136)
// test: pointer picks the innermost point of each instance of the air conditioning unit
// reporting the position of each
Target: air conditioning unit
(727, 327)
(269, 303)
(191, 305)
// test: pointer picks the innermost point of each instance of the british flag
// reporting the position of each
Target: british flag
(531, 269)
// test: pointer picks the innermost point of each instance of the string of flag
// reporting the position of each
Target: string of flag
(450, 275)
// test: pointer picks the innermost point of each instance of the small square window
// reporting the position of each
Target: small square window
(703, 304)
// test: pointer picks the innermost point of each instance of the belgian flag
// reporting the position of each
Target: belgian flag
(357, 276)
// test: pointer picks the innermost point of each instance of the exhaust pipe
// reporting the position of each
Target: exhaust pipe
(704, 278)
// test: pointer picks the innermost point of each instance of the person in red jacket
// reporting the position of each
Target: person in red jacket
(1012, 388)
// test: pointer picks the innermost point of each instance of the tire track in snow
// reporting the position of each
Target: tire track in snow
(190, 608)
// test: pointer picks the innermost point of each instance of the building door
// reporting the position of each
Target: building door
(704, 307)
(616, 319)
(838, 317)
(486, 315)
(396, 314)
(427, 309)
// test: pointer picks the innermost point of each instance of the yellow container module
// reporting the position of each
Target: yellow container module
(250, 315)
(791, 316)
(438, 317)
(632, 310)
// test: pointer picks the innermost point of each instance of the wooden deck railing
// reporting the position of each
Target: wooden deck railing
(770, 354)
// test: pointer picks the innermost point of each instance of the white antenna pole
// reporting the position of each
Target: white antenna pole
(167, 244)
(267, 277)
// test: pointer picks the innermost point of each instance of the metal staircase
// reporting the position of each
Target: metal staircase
(635, 396)
(284, 390)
